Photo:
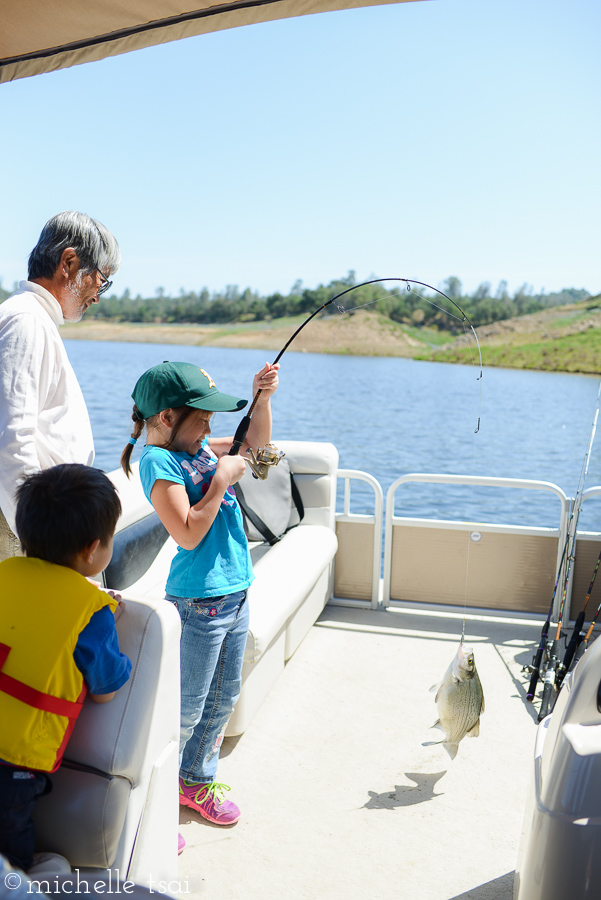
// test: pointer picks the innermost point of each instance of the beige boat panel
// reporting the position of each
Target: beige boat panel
(354, 561)
(39, 36)
(587, 554)
(505, 571)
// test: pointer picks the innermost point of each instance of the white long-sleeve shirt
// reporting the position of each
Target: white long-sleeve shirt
(43, 416)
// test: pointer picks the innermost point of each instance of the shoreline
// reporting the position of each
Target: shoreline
(367, 334)
(530, 342)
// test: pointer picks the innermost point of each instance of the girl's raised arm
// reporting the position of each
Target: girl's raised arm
(259, 431)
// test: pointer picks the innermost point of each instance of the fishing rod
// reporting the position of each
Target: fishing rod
(534, 668)
(577, 635)
(243, 427)
(549, 684)
(583, 647)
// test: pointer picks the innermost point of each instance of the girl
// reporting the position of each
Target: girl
(188, 478)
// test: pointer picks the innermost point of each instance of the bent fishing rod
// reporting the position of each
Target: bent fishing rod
(550, 676)
(243, 427)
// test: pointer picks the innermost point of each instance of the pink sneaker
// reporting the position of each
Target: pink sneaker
(209, 801)
(180, 844)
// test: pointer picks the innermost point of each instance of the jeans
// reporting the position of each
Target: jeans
(19, 789)
(213, 642)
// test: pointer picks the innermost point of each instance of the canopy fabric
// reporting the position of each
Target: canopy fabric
(39, 36)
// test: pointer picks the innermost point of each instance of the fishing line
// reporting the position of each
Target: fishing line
(398, 294)
(431, 302)
(243, 427)
(342, 310)
(471, 494)
(469, 537)
(446, 311)
(421, 297)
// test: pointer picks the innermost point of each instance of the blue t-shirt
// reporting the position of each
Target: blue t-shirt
(221, 563)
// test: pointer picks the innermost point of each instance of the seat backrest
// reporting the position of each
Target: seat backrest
(134, 550)
(314, 465)
(102, 783)
(140, 534)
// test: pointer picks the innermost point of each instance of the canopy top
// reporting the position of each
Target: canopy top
(37, 36)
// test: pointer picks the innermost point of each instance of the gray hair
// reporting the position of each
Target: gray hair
(93, 243)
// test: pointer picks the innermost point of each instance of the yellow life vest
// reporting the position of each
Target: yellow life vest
(43, 610)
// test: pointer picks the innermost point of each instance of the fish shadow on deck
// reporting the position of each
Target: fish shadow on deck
(499, 889)
(406, 795)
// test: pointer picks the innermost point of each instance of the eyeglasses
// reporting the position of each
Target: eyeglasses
(106, 284)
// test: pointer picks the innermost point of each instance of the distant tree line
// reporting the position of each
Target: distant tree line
(231, 305)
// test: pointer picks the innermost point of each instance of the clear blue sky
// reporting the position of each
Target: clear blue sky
(422, 140)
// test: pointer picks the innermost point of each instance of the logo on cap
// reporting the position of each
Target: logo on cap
(206, 375)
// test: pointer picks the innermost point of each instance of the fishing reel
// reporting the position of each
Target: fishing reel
(265, 458)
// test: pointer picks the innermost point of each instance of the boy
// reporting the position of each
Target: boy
(57, 635)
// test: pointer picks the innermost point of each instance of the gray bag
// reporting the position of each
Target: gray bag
(267, 505)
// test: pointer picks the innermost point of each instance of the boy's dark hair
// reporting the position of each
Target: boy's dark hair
(62, 510)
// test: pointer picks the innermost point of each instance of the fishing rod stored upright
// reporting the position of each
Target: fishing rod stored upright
(583, 646)
(535, 666)
(551, 684)
(577, 634)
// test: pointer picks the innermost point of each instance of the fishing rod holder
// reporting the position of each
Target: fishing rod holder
(265, 457)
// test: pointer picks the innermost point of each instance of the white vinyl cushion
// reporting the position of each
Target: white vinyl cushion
(284, 578)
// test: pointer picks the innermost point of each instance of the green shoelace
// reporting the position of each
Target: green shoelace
(213, 789)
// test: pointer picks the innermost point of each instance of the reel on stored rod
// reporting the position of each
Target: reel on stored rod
(265, 458)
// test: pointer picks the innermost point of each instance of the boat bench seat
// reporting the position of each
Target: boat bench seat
(114, 800)
(293, 578)
(113, 803)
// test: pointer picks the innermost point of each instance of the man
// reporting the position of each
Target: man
(43, 415)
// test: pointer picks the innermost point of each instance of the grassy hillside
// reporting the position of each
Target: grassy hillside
(562, 339)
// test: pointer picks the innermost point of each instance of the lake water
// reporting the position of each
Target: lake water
(388, 417)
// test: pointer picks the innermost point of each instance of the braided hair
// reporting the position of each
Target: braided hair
(182, 413)
(139, 422)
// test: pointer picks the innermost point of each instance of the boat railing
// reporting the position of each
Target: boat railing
(489, 565)
(475, 564)
(359, 557)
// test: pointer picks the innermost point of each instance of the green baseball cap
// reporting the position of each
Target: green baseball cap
(173, 384)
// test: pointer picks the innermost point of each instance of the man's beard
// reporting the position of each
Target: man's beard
(74, 308)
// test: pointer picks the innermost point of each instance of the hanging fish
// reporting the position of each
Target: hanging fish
(460, 701)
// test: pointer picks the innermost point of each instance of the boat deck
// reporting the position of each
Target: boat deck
(339, 797)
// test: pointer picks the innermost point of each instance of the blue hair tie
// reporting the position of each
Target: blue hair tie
(133, 441)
